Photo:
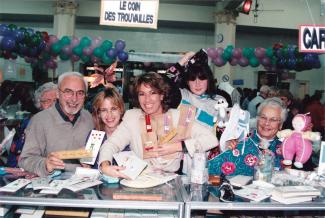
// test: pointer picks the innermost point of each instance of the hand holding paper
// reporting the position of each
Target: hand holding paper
(53, 162)
(133, 165)
(113, 171)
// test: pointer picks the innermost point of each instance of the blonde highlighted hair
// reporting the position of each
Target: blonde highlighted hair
(111, 94)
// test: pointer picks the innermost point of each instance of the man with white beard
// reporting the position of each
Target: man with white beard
(64, 126)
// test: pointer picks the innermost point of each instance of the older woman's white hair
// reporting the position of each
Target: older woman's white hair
(274, 102)
(41, 90)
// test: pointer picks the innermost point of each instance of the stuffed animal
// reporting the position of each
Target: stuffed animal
(237, 126)
(298, 141)
(221, 118)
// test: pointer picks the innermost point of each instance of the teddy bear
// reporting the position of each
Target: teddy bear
(297, 142)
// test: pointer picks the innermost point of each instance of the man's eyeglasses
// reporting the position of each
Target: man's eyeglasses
(105, 111)
(68, 93)
(272, 120)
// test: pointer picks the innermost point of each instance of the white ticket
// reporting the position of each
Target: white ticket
(83, 185)
(40, 183)
(15, 185)
(56, 185)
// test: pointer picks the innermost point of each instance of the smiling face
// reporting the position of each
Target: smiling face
(198, 86)
(150, 100)
(269, 122)
(70, 95)
(110, 114)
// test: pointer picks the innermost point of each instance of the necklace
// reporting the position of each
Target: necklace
(264, 145)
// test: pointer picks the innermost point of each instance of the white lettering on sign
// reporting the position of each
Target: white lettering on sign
(129, 13)
(312, 38)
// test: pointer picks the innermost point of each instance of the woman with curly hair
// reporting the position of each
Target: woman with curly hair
(155, 132)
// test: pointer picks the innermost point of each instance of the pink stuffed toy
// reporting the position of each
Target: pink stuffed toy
(298, 141)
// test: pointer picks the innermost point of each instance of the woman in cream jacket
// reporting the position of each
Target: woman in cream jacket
(157, 134)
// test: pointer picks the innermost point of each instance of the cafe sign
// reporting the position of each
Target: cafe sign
(312, 38)
(129, 13)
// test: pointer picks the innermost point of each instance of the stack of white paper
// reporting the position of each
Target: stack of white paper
(294, 194)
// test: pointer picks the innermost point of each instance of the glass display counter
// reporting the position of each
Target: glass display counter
(185, 200)
(206, 198)
(100, 196)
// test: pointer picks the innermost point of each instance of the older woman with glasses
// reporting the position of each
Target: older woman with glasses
(45, 95)
(241, 160)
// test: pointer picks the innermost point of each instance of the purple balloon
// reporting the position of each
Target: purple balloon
(74, 58)
(278, 53)
(212, 53)
(291, 51)
(33, 52)
(23, 49)
(111, 53)
(95, 59)
(96, 41)
(219, 51)
(123, 56)
(4, 29)
(233, 61)
(51, 64)
(87, 51)
(119, 45)
(53, 39)
(75, 41)
(259, 52)
(67, 49)
(237, 53)
(8, 43)
(19, 35)
(266, 61)
(218, 61)
(243, 62)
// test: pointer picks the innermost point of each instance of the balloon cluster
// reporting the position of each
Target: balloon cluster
(289, 57)
(23, 42)
(41, 49)
(95, 50)
(280, 57)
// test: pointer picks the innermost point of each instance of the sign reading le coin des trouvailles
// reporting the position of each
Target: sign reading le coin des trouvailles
(312, 38)
(129, 13)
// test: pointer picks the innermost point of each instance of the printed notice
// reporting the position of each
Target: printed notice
(129, 13)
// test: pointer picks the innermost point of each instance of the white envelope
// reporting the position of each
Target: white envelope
(133, 167)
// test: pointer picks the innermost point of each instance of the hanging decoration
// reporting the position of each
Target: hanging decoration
(41, 49)
(278, 56)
